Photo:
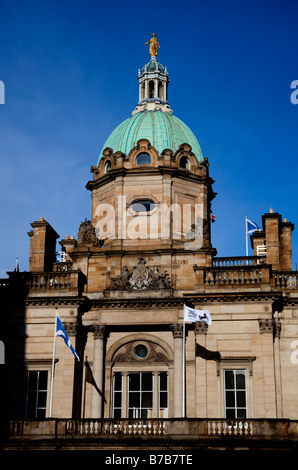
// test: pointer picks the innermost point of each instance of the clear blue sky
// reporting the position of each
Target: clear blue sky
(70, 74)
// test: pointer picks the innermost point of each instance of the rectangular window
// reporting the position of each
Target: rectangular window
(36, 394)
(163, 395)
(140, 395)
(235, 393)
(117, 395)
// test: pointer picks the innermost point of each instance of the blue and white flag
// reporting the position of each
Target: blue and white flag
(60, 331)
(251, 226)
(190, 314)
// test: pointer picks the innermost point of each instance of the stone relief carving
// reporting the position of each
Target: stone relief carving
(141, 278)
(155, 353)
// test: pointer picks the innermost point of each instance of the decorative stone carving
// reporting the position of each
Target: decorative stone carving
(155, 353)
(140, 278)
(71, 328)
(201, 328)
(266, 325)
(99, 331)
(177, 331)
(87, 235)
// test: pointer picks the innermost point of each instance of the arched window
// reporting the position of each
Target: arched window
(151, 89)
(108, 166)
(143, 159)
(142, 205)
(184, 163)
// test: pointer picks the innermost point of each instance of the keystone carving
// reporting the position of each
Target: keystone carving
(140, 278)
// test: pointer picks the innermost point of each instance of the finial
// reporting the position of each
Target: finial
(154, 46)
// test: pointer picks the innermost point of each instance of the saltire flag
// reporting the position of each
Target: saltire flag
(193, 315)
(60, 331)
(212, 217)
(251, 226)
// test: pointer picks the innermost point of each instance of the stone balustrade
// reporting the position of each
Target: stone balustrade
(226, 276)
(286, 280)
(176, 428)
(232, 261)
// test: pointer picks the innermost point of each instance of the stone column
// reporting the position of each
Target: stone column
(178, 370)
(98, 371)
(156, 88)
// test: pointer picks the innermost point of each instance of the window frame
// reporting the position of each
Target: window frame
(237, 363)
(235, 390)
(38, 391)
(143, 154)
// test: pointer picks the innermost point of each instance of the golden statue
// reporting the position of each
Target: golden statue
(153, 46)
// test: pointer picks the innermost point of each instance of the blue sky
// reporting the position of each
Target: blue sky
(70, 74)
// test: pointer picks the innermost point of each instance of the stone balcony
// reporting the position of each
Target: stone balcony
(191, 433)
(246, 272)
(39, 284)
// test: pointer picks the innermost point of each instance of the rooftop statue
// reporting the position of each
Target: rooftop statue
(154, 46)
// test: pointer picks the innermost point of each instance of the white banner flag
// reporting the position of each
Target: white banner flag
(190, 314)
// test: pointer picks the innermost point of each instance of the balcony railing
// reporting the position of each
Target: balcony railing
(225, 276)
(195, 429)
(286, 280)
(233, 261)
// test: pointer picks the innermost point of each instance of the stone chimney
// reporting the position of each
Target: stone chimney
(276, 237)
(42, 246)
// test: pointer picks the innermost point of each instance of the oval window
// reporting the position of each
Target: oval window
(143, 159)
(141, 351)
(142, 205)
(184, 163)
(108, 166)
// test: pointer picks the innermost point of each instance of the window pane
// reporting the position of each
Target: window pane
(229, 377)
(143, 159)
(144, 414)
(230, 399)
(42, 399)
(230, 413)
(118, 381)
(240, 379)
(163, 400)
(241, 399)
(134, 381)
(43, 380)
(241, 413)
(142, 205)
(134, 400)
(117, 413)
(163, 380)
(41, 413)
(31, 401)
(147, 381)
(32, 380)
(147, 400)
(117, 399)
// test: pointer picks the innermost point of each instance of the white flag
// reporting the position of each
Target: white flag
(190, 314)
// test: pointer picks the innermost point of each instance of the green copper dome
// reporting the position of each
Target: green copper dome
(163, 130)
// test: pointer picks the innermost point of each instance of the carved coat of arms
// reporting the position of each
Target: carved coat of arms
(140, 278)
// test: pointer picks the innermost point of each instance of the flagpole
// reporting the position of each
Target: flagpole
(183, 360)
(246, 236)
(53, 366)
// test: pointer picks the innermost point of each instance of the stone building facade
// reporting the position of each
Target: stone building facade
(120, 288)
